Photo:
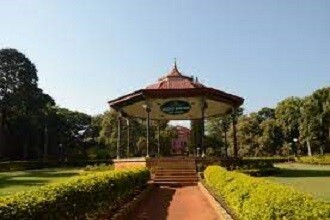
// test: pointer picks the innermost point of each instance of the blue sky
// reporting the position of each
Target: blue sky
(88, 52)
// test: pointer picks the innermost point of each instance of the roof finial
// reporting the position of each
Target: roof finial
(175, 66)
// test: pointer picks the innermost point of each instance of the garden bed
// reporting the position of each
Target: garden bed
(33, 165)
(246, 196)
(76, 198)
(316, 160)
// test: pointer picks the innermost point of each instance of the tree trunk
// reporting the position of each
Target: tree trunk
(2, 141)
(25, 150)
(46, 141)
(2, 136)
(226, 145)
(235, 146)
(321, 150)
(309, 149)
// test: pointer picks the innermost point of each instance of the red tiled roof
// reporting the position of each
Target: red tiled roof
(175, 80)
(182, 84)
(175, 84)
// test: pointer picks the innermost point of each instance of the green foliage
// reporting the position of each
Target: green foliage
(20, 165)
(99, 152)
(23, 106)
(196, 135)
(287, 115)
(315, 121)
(72, 130)
(100, 167)
(97, 168)
(295, 127)
(109, 133)
(32, 165)
(74, 198)
(319, 160)
(273, 159)
(253, 165)
(167, 133)
(271, 138)
(266, 114)
(217, 129)
(248, 131)
(33, 127)
(252, 198)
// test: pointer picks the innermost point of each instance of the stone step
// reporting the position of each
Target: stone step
(176, 164)
(175, 184)
(175, 171)
(175, 174)
(175, 159)
(176, 167)
(177, 180)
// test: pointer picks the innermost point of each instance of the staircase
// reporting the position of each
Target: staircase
(176, 171)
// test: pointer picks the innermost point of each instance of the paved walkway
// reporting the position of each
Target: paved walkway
(175, 204)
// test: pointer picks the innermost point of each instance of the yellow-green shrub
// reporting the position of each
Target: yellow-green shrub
(253, 198)
(319, 160)
(74, 198)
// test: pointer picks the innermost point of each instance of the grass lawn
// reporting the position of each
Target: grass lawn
(11, 182)
(313, 179)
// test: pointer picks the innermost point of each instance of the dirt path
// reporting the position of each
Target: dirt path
(175, 204)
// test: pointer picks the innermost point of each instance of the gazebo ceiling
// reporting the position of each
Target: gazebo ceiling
(176, 97)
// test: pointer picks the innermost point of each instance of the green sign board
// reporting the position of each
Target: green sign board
(175, 107)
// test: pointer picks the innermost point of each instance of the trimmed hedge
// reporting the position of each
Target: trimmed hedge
(318, 160)
(32, 165)
(96, 168)
(239, 163)
(253, 198)
(75, 198)
(275, 159)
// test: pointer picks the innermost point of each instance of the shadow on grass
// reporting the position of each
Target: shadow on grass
(9, 181)
(155, 205)
(32, 178)
(47, 174)
(302, 173)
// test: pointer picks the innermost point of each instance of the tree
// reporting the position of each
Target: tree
(308, 123)
(167, 134)
(266, 113)
(217, 131)
(271, 139)
(18, 75)
(108, 134)
(248, 132)
(72, 130)
(315, 120)
(287, 115)
(196, 136)
(22, 104)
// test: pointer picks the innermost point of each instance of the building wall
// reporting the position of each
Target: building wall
(180, 144)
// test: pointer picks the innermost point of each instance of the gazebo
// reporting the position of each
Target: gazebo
(175, 97)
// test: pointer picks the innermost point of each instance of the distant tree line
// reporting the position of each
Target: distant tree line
(32, 126)
(297, 126)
